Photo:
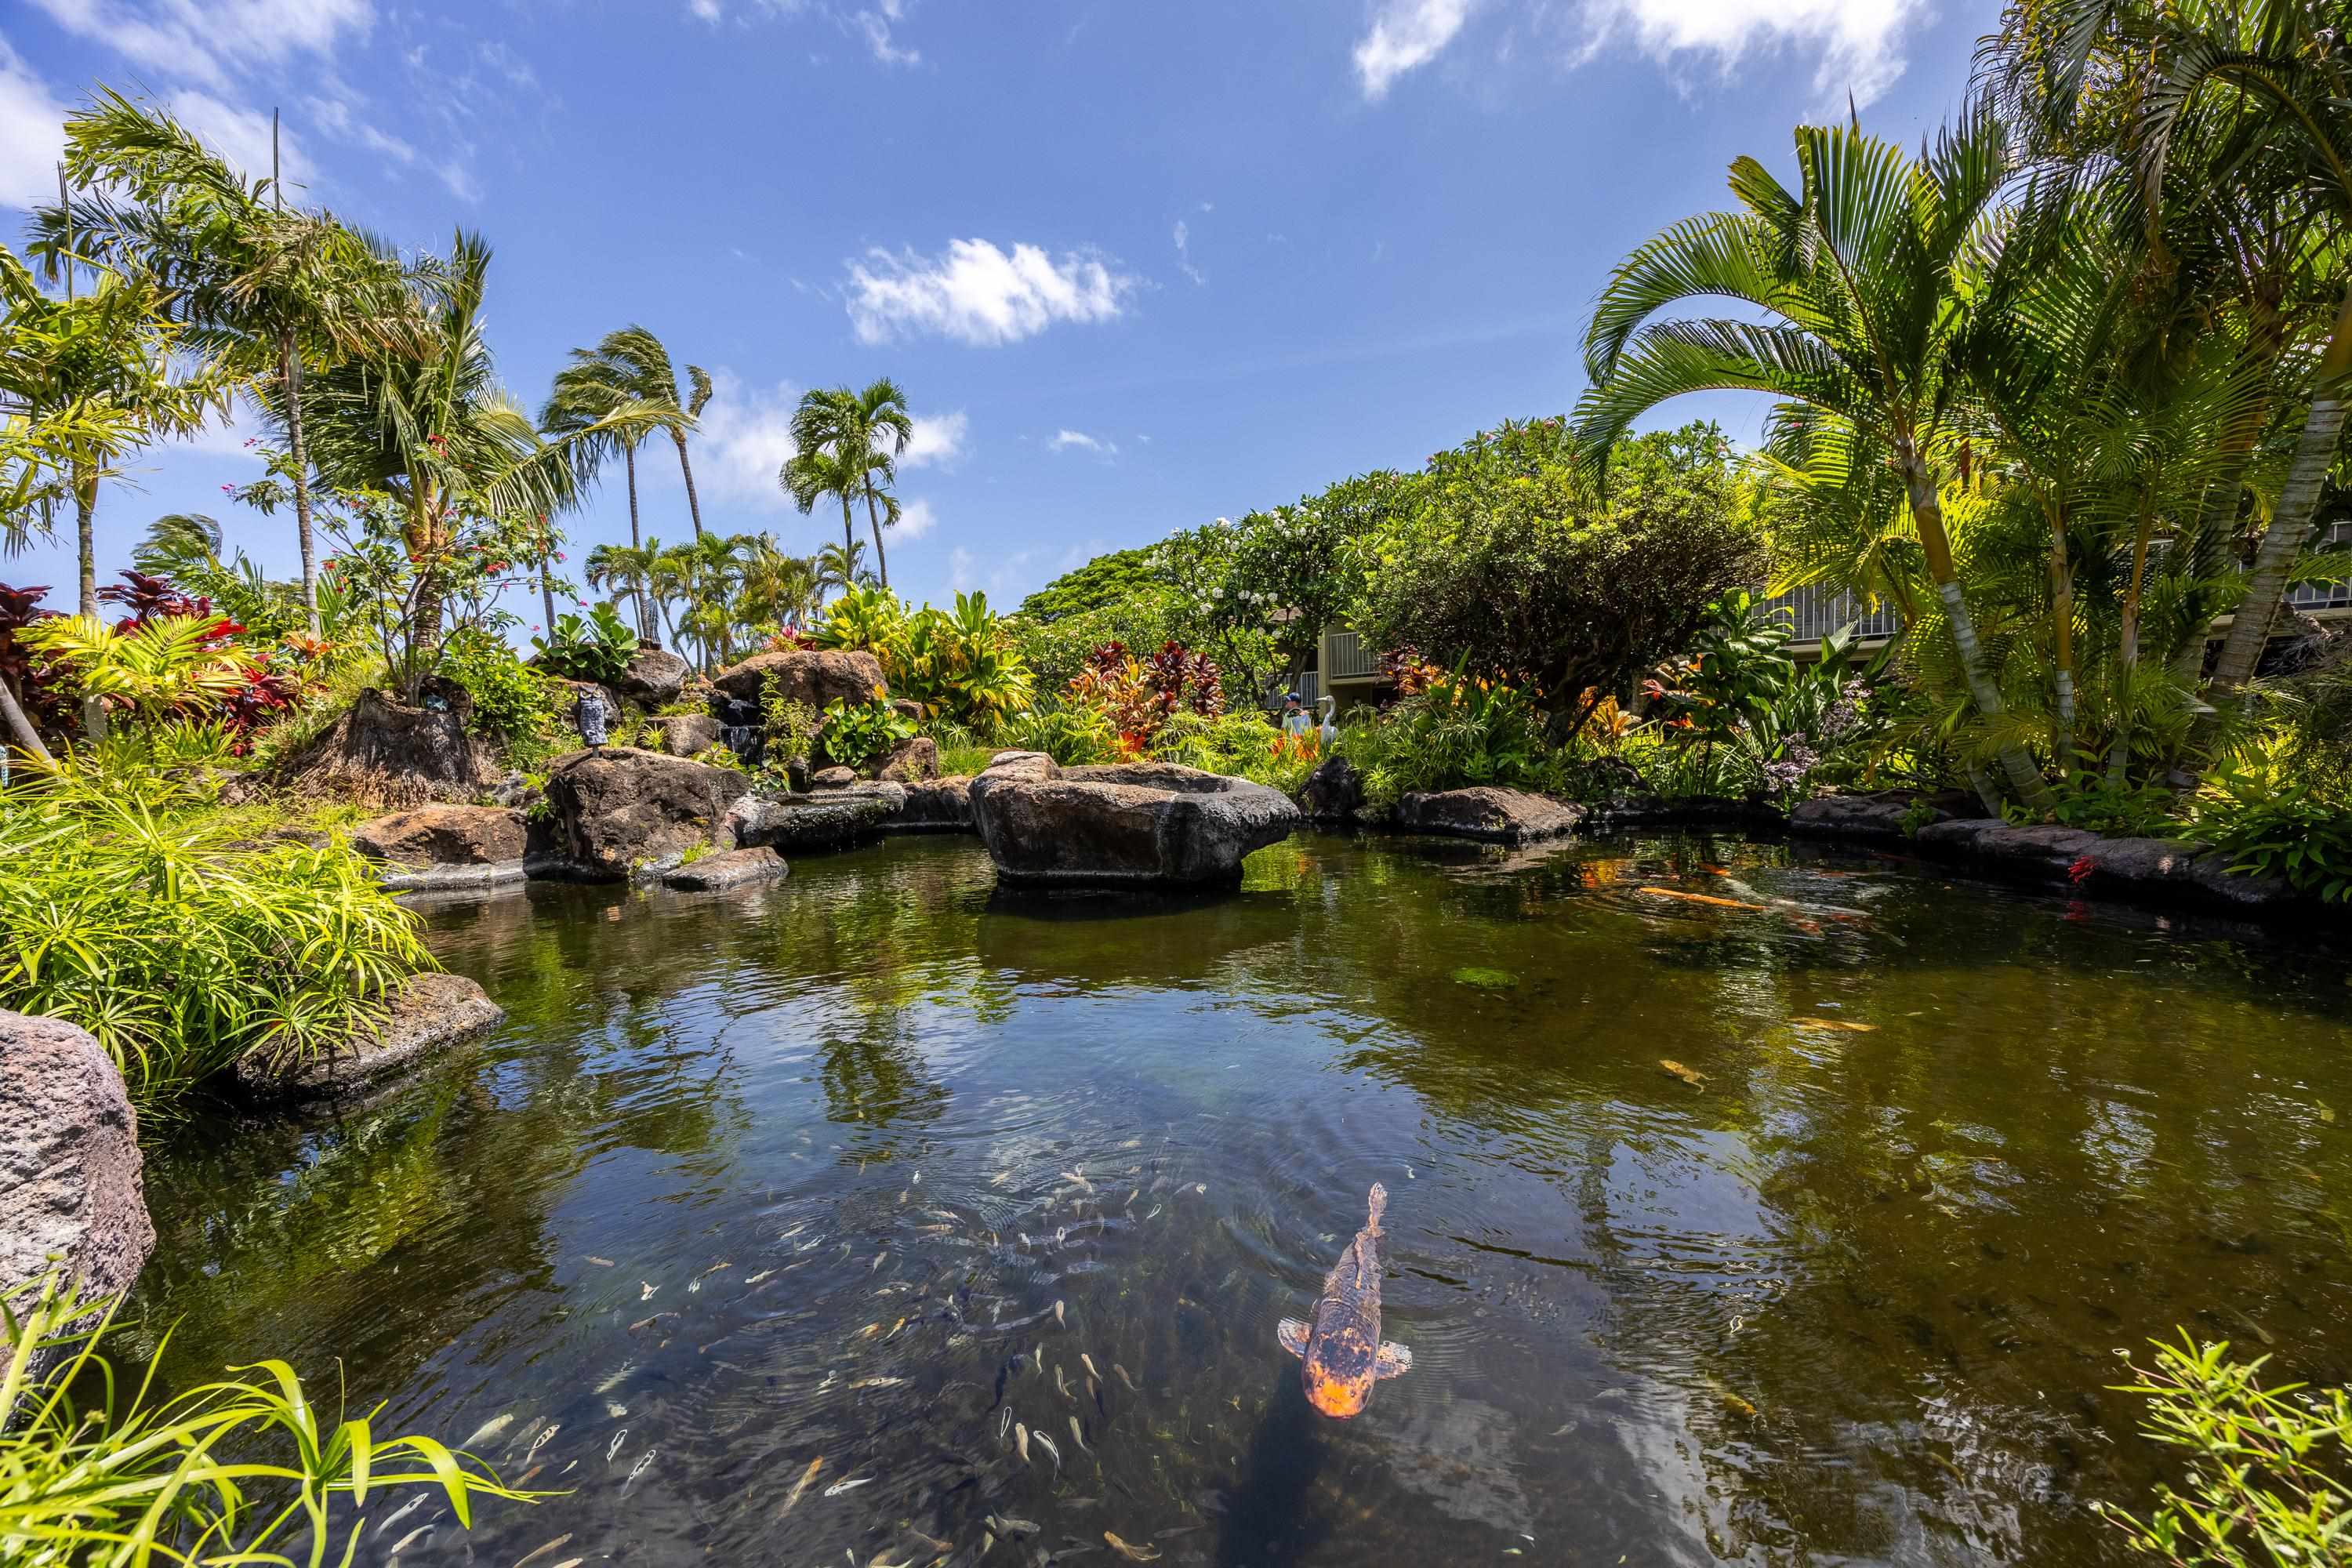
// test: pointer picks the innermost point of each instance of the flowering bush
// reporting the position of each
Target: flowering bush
(1140, 695)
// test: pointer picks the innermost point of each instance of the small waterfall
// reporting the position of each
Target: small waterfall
(748, 741)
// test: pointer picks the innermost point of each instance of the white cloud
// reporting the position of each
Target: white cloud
(1859, 40)
(1407, 34)
(915, 520)
(32, 135)
(939, 440)
(978, 294)
(1185, 254)
(705, 10)
(214, 42)
(1065, 440)
(240, 135)
(746, 437)
(876, 24)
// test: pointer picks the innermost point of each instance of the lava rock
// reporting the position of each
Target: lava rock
(1878, 818)
(654, 676)
(936, 805)
(1499, 815)
(728, 868)
(797, 823)
(1333, 791)
(619, 810)
(684, 734)
(919, 758)
(71, 1189)
(430, 1012)
(814, 676)
(1152, 823)
(444, 836)
(834, 777)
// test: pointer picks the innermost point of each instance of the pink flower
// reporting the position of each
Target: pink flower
(2079, 871)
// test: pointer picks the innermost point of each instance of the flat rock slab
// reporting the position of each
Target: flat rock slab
(728, 868)
(1148, 822)
(431, 1011)
(71, 1188)
(445, 836)
(621, 812)
(1498, 815)
(799, 824)
(1876, 818)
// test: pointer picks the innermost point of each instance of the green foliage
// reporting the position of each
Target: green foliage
(1075, 734)
(855, 735)
(2269, 1469)
(134, 917)
(790, 726)
(1102, 582)
(243, 1470)
(2138, 811)
(1461, 731)
(1241, 744)
(1510, 562)
(511, 700)
(596, 646)
(966, 666)
(2268, 822)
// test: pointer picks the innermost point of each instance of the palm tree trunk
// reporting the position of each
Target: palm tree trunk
(874, 518)
(2061, 623)
(848, 535)
(629, 458)
(2323, 428)
(2127, 657)
(693, 505)
(1928, 512)
(289, 375)
(28, 738)
(547, 599)
(85, 489)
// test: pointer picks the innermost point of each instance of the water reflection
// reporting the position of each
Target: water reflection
(866, 1166)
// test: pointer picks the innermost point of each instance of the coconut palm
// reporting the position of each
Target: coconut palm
(776, 586)
(841, 566)
(868, 428)
(629, 367)
(814, 472)
(1859, 271)
(627, 569)
(268, 289)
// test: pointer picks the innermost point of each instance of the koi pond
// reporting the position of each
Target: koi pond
(774, 1226)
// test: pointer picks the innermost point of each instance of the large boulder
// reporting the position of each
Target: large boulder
(444, 836)
(654, 676)
(71, 1188)
(1152, 823)
(684, 734)
(727, 869)
(919, 758)
(1333, 791)
(798, 823)
(1498, 815)
(620, 811)
(936, 805)
(429, 1012)
(814, 676)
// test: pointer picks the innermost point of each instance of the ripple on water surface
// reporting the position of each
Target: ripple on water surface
(1746, 1203)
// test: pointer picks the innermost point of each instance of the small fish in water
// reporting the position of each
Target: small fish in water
(615, 1410)
(1341, 1352)
(1078, 1176)
(646, 1289)
(1146, 1553)
(1059, 1316)
(1847, 1026)
(1062, 1385)
(999, 1179)
(530, 1475)
(1155, 1211)
(649, 1322)
(544, 1551)
(1707, 899)
(878, 1382)
(405, 1541)
(933, 1542)
(800, 1485)
(1690, 1076)
(639, 1468)
(933, 1229)
(1050, 1446)
(919, 1178)
(1004, 1524)
(1078, 1434)
(1121, 1372)
(1202, 1188)
(787, 1236)
(488, 1429)
(879, 1259)
(403, 1512)
(599, 1262)
(755, 1278)
(613, 1448)
(1021, 1440)
(1089, 1362)
(851, 1485)
(619, 1375)
(540, 1441)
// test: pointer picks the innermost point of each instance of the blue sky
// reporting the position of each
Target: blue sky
(1136, 265)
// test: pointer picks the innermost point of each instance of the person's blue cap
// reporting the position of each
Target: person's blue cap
(1290, 697)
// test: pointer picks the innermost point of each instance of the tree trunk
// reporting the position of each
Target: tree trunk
(693, 505)
(848, 541)
(547, 599)
(1928, 512)
(629, 460)
(2127, 657)
(28, 739)
(85, 489)
(290, 373)
(874, 518)
(2062, 618)
(425, 544)
(2291, 520)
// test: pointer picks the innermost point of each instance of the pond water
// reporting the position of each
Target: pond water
(751, 1181)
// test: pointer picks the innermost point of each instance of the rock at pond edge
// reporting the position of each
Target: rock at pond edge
(71, 1177)
(431, 1011)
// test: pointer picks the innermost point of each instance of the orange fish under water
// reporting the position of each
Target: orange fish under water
(1341, 1352)
(1707, 899)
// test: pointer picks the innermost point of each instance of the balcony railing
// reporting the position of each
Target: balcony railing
(1815, 610)
(1346, 658)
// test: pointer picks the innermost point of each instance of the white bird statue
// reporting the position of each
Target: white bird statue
(1330, 730)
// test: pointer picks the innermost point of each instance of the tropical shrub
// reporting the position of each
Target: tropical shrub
(788, 726)
(864, 616)
(2269, 823)
(1138, 696)
(1510, 560)
(135, 918)
(404, 603)
(243, 1470)
(1464, 730)
(965, 666)
(40, 696)
(170, 666)
(594, 647)
(2269, 1469)
(1074, 734)
(512, 702)
(1241, 744)
(855, 734)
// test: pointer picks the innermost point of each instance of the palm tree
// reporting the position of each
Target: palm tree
(704, 572)
(1859, 271)
(266, 290)
(437, 432)
(627, 569)
(869, 428)
(840, 566)
(776, 586)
